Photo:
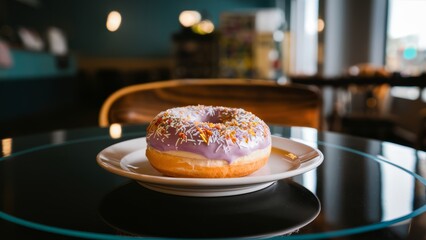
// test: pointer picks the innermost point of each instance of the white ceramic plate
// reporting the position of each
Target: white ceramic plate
(288, 158)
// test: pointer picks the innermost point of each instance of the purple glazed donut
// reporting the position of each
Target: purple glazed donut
(207, 141)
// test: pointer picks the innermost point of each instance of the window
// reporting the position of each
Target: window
(406, 40)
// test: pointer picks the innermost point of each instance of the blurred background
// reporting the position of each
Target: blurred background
(59, 60)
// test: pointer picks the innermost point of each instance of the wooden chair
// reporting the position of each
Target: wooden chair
(294, 105)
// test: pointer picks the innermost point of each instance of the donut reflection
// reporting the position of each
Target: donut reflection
(277, 210)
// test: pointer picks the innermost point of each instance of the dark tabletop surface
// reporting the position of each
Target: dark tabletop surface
(51, 187)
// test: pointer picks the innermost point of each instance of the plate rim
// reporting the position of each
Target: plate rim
(175, 181)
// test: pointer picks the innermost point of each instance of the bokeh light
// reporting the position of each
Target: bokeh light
(321, 25)
(410, 53)
(189, 18)
(204, 27)
(113, 21)
(115, 131)
(6, 146)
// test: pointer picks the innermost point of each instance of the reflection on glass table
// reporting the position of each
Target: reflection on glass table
(52, 188)
(128, 209)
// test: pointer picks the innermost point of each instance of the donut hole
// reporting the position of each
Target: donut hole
(215, 117)
(212, 119)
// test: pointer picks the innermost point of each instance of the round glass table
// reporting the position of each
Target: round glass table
(51, 187)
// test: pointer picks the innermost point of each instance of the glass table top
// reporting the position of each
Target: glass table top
(52, 188)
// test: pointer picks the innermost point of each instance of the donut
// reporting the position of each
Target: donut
(207, 142)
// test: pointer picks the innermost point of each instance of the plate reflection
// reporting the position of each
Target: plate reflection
(277, 210)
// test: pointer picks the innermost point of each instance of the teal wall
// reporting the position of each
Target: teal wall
(35, 86)
(28, 64)
(146, 29)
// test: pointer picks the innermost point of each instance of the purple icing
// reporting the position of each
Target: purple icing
(214, 132)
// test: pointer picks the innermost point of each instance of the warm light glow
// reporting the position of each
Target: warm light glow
(371, 102)
(113, 21)
(189, 18)
(204, 27)
(6, 146)
(115, 131)
(321, 25)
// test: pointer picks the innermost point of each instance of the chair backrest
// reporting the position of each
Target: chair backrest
(293, 105)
